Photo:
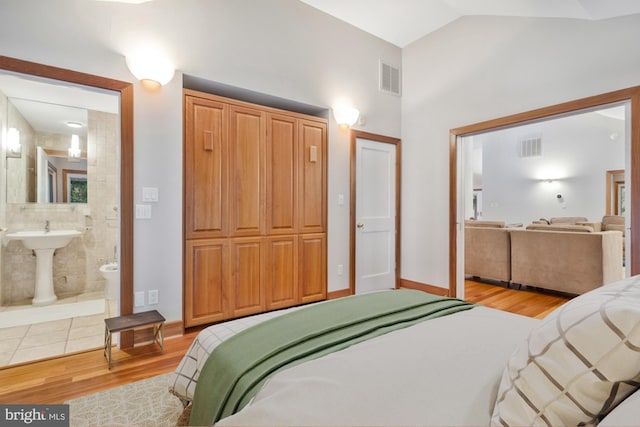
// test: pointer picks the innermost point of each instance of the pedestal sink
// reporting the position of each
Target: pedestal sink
(44, 243)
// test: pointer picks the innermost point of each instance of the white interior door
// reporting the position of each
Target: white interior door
(375, 215)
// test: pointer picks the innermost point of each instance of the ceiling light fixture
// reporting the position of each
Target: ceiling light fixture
(75, 125)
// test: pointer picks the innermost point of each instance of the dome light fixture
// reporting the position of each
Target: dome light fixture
(75, 125)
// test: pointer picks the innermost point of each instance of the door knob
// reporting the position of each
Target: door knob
(360, 225)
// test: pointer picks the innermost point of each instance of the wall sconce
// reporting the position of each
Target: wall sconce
(345, 115)
(151, 67)
(14, 148)
(74, 152)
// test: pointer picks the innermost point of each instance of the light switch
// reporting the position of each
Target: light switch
(138, 300)
(149, 194)
(340, 199)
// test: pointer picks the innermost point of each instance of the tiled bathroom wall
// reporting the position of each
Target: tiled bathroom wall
(76, 266)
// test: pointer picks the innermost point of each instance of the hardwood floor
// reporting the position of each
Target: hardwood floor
(57, 380)
(526, 302)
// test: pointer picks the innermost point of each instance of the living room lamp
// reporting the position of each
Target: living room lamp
(151, 67)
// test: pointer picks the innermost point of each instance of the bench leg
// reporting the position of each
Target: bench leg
(158, 335)
(107, 347)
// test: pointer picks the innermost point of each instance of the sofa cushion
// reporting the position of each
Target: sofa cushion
(615, 227)
(578, 363)
(612, 220)
(561, 227)
(485, 224)
(567, 219)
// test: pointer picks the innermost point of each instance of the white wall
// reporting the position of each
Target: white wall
(278, 47)
(480, 68)
(577, 151)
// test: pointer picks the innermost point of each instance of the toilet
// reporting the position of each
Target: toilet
(112, 275)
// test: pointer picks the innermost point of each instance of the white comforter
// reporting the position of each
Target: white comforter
(444, 371)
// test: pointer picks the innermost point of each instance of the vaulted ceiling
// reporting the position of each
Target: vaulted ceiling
(402, 22)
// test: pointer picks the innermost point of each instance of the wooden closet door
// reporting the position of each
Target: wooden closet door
(282, 174)
(206, 281)
(247, 188)
(312, 180)
(205, 168)
(247, 291)
(312, 261)
(282, 272)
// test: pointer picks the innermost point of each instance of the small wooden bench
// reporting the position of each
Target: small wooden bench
(133, 321)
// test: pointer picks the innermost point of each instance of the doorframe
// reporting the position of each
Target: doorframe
(354, 135)
(631, 95)
(611, 207)
(125, 90)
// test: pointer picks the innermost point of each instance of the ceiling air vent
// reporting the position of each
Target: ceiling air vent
(531, 146)
(389, 79)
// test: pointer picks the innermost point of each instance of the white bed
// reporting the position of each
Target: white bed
(444, 371)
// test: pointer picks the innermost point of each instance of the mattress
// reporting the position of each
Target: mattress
(443, 371)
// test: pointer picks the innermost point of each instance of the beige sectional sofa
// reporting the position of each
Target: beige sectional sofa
(567, 261)
(561, 256)
(487, 250)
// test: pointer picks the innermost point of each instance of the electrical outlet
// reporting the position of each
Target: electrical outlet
(153, 297)
(139, 299)
(340, 269)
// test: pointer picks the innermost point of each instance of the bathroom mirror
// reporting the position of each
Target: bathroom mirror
(51, 129)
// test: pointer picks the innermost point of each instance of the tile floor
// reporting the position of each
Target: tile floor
(26, 343)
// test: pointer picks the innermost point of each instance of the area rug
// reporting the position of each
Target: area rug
(142, 403)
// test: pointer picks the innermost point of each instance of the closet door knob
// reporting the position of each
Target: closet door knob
(360, 225)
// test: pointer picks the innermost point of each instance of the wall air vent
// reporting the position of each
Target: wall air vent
(389, 79)
(531, 146)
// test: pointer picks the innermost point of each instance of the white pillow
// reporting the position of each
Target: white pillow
(578, 363)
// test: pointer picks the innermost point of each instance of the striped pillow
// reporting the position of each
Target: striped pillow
(577, 364)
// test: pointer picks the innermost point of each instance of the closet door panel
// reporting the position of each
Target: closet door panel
(313, 267)
(312, 180)
(282, 170)
(206, 277)
(248, 185)
(282, 272)
(247, 276)
(205, 165)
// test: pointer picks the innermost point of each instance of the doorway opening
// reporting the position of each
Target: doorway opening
(459, 180)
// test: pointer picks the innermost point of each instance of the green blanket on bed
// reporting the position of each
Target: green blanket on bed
(238, 367)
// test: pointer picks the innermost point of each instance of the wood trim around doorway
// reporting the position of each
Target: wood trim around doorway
(125, 90)
(631, 95)
(355, 134)
(610, 179)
